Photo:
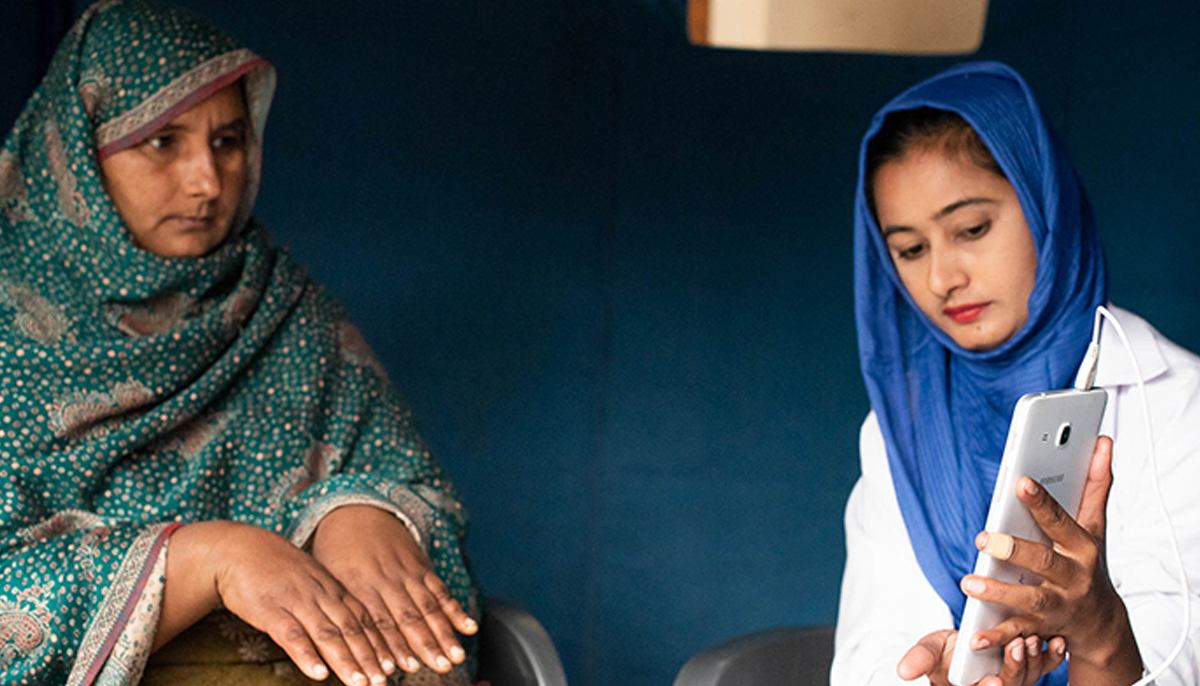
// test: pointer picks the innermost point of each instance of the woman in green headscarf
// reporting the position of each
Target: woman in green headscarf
(187, 422)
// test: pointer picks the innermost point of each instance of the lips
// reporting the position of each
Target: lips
(193, 223)
(966, 313)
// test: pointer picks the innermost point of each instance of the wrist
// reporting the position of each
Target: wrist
(190, 591)
(1113, 652)
(206, 545)
(351, 516)
(218, 546)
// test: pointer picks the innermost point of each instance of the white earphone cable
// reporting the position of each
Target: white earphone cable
(1084, 381)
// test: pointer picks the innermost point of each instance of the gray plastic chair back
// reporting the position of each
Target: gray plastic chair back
(787, 656)
(515, 650)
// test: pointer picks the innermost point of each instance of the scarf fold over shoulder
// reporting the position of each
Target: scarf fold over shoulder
(140, 392)
(944, 411)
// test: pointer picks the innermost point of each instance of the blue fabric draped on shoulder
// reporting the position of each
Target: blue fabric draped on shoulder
(944, 410)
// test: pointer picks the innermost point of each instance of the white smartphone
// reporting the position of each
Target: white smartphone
(1050, 440)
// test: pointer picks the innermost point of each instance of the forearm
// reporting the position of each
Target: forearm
(190, 590)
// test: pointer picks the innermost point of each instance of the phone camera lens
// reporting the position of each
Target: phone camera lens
(1064, 435)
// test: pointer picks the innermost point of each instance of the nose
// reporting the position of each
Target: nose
(201, 178)
(946, 273)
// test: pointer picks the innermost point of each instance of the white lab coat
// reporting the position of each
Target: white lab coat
(887, 604)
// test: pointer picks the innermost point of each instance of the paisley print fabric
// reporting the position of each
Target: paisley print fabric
(140, 393)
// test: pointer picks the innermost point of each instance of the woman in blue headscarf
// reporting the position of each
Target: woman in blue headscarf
(978, 270)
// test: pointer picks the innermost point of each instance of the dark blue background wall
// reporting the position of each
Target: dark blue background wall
(612, 271)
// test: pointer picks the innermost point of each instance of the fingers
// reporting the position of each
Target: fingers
(389, 630)
(1031, 602)
(450, 607)
(407, 605)
(925, 657)
(1026, 661)
(360, 635)
(1056, 652)
(415, 622)
(1055, 521)
(434, 624)
(324, 636)
(341, 641)
(289, 634)
(1044, 561)
(1006, 631)
(283, 591)
(382, 565)
(383, 652)
(1095, 491)
(1049, 515)
(1012, 672)
(1035, 660)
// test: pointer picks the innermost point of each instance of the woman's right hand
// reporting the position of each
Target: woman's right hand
(1024, 660)
(282, 591)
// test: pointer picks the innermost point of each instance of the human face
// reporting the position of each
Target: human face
(179, 189)
(960, 243)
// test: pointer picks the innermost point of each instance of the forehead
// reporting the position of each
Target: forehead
(919, 185)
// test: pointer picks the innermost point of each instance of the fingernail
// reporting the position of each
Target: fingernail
(319, 671)
(411, 664)
(982, 644)
(972, 586)
(379, 679)
(457, 654)
(470, 625)
(1031, 486)
(1032, 645)
(442, 663)
(358, 679)
(1061, 649)
(999, 546)
(1018, 651)
(388, 665)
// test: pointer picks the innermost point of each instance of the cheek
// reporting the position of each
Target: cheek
(913, 278)
(1023, 258)
(135, 193)
(233, 183)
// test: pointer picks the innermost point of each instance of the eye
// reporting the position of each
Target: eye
(911, 252)
(977, 231)
(229, 141)
(162, 142)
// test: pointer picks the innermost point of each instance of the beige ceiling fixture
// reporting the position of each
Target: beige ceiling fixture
(903, 27)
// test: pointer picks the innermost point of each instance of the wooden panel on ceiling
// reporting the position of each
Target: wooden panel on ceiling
(912, 27)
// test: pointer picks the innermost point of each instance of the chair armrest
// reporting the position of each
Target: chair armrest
(515, 650)
(786, 656)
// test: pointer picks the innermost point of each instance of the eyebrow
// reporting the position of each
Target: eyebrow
(942, 213)
(955, 206)
(239, 124)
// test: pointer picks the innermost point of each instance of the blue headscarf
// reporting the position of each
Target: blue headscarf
(944, 410)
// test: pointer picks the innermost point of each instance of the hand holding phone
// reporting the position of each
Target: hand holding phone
(1051, 440)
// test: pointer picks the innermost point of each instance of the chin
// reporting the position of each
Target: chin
(191, 246)
(182, 251)
(983, 342)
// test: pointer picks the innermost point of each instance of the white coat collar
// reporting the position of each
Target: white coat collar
(1114, 367)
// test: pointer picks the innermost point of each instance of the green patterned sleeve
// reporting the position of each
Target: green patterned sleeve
(80, 594)
(385, 463)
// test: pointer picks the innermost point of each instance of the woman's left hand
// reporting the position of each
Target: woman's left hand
(372, 553)
(1076, 599)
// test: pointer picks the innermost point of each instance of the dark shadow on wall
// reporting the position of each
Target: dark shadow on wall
(30, 31)
(18, 36)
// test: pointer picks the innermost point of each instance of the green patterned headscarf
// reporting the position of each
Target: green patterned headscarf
(140, 392)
